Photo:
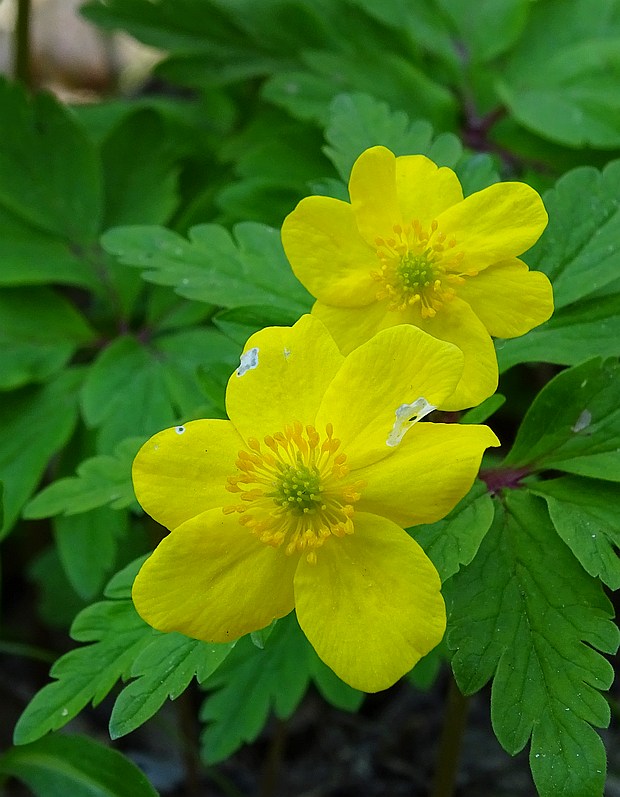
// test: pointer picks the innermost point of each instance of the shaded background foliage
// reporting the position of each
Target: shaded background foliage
(139, 248)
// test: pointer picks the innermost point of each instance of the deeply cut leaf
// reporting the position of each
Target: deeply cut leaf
(525, 612)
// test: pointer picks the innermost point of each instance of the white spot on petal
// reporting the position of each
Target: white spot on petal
(582, 422)
(179, 429)
(287, 353)
(406, 416)
(248, 361)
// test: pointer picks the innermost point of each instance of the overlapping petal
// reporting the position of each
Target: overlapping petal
(398, 366)
(428, 473)
(181, 472)
(459, 325)
(211, 579)
(352, 326)
(371, 606)
(499, 222)
(294, 366)
(508, 298)
(372, 188)
(327, 254)
(425, 190)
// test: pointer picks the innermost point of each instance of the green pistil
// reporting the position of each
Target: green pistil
(415, 272)
(299, 487)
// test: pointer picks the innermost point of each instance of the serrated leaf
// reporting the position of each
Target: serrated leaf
(163, 670)
(119, 586)
(34, 424)
(211, 266)
(61, 765)
(453, 541)
(99, 481)
(249, 684)
(86, 674)
(359, 121)
(573, 424)
(525, 612)
(39, 332)
(586, 515)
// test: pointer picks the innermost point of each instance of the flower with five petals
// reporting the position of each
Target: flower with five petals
(409, 249)
(300, 499)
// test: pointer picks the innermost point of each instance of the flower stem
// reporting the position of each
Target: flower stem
(455, 720)
(21, 66)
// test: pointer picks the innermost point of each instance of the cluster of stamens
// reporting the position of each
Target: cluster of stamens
(294, 489)
(418, 266)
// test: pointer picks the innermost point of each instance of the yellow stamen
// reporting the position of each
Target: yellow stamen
(295, 491)
(416, 266)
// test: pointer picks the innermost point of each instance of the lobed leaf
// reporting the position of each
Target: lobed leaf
(163, 669)
(99, 481)
(212, 267)
(586, 515)
(253, 680)
(454, 541)
(526, 613)
(573, 424)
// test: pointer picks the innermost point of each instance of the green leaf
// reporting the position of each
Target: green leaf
(249, 684)
(525, 612)
(100, 481)
(359, 121)
(573, 424)
(454, 541)
(34, 424)
(61, 765)
(119, 586)
(484, 411)
(88, 673)
(579, 252)
(87, 546)
(586, 515)
(211, 267)
(575, 101)
(39, 332)
(163, 670)
(489, 31)
(140, 173)
(44, 139)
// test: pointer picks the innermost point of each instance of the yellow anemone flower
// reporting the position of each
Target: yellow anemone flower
(300, 499)
(409, 249)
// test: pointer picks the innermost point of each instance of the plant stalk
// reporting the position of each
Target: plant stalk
(455, 720)
(21, 64)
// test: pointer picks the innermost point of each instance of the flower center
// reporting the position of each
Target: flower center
(295, 489)
(418, 266)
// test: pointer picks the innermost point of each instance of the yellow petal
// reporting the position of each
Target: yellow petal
(211, 579)
(371, 605)
(457, 323)
(327, 253)
(494, 224)
(427, 475)
(284, 374)
(372, 188)
(181, 472)
(397, 367)
(424, 190)
(352, 326)
(508, 298)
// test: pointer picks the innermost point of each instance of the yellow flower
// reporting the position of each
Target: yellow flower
(409, 249)
(298, 501)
